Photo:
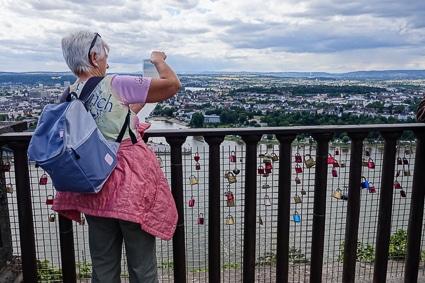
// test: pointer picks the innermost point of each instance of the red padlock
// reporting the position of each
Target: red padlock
(232, 157)
(197, 166)
(298, 158)
(397, 185)
(335, 164)
(49, 200)
(196, 157)
(372, 189)
(297, 181)
(334, 172)
(402, 193)
(229, 195)
(261, 170)
(6, 167)
(201, 219)
(269, 168)
(336, 151)
(191, 202)
(43, 179)
(371, 164)
(331, 160)
(298, 169)
(405, 161)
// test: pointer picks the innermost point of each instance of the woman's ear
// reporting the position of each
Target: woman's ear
(93, 60)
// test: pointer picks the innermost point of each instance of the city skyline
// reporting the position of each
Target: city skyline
(221, 35)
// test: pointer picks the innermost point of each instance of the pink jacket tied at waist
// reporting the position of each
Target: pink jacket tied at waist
(136, 191)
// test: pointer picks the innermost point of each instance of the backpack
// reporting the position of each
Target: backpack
(68, 145)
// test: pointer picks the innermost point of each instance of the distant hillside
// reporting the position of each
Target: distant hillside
(52, 78)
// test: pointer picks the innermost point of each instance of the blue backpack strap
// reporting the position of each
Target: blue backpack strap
(88, 88)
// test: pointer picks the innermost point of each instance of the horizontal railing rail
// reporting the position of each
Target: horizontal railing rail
(286, 136)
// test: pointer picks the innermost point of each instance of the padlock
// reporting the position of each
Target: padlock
(399, 161)
(159, 161)
(267, 201)
(196, 157)
(331, 159)
(267, 159)
(43, 179)
(268, 168)
(6, 167)
(197, 166)
(265, 186)
(334, 172)
(364, 163)
(309, 161)
(82, 221)
(344, 149)
(336, 151)
(342, 164)
(406, 171)
(236, 170)
(297, 181)
(408, 150)
(229, 195)
(370, 164)
(275, 157)
(405, 161)
(372, 189)
(297, 199)
(303, 192)
(230, 203)
(397, 173)
(337, 194)
(298, 158)
(397, 185)
(230, 177)
(232, 157)
(49, 200)
(9, 188)
(402, 193)
(260, 170)
(261, 155)
(201, 219)
(193, 180)
(191, 202)
(260, 220)
(365, 183)
(297, 217)
(51, 217)
(367, 151)
(229, 220)
(298, 169)
(265, 175)
(335, 164)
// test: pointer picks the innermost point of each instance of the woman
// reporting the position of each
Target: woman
(135, 204)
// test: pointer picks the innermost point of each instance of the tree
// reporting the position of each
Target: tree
(197, 120)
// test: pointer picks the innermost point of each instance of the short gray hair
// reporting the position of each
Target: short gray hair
(75, 49)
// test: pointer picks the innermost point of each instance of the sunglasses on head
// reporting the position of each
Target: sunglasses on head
(93, 43)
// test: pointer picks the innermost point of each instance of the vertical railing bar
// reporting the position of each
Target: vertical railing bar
(283, 210)
(353, 207)
(385, 206)
(26, 226)
(319, 208)
(250, 208)
(66, 239)
(414, 230)
(179, 246)
(214, 224)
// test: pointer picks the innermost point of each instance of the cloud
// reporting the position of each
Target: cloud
(220, 35)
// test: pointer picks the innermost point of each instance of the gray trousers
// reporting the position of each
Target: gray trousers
(106, 236)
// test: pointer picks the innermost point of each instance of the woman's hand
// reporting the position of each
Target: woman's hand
(157, 56)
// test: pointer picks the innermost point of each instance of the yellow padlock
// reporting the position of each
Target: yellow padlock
(275, 157)
(9, 188)
(193, 180)
(229, 220)
(337, 193)
(309, 161)
(52, 217)
(230, 177)
(297, 199)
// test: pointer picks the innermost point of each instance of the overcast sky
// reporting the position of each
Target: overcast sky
(221, 35)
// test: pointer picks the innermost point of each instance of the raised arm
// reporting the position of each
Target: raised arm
(168, 83)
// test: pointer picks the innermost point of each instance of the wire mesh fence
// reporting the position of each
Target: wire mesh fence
(233, 169)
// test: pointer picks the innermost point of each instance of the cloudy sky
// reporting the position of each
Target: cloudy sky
(221, 35)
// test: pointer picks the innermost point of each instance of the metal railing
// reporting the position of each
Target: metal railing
(251, 137)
